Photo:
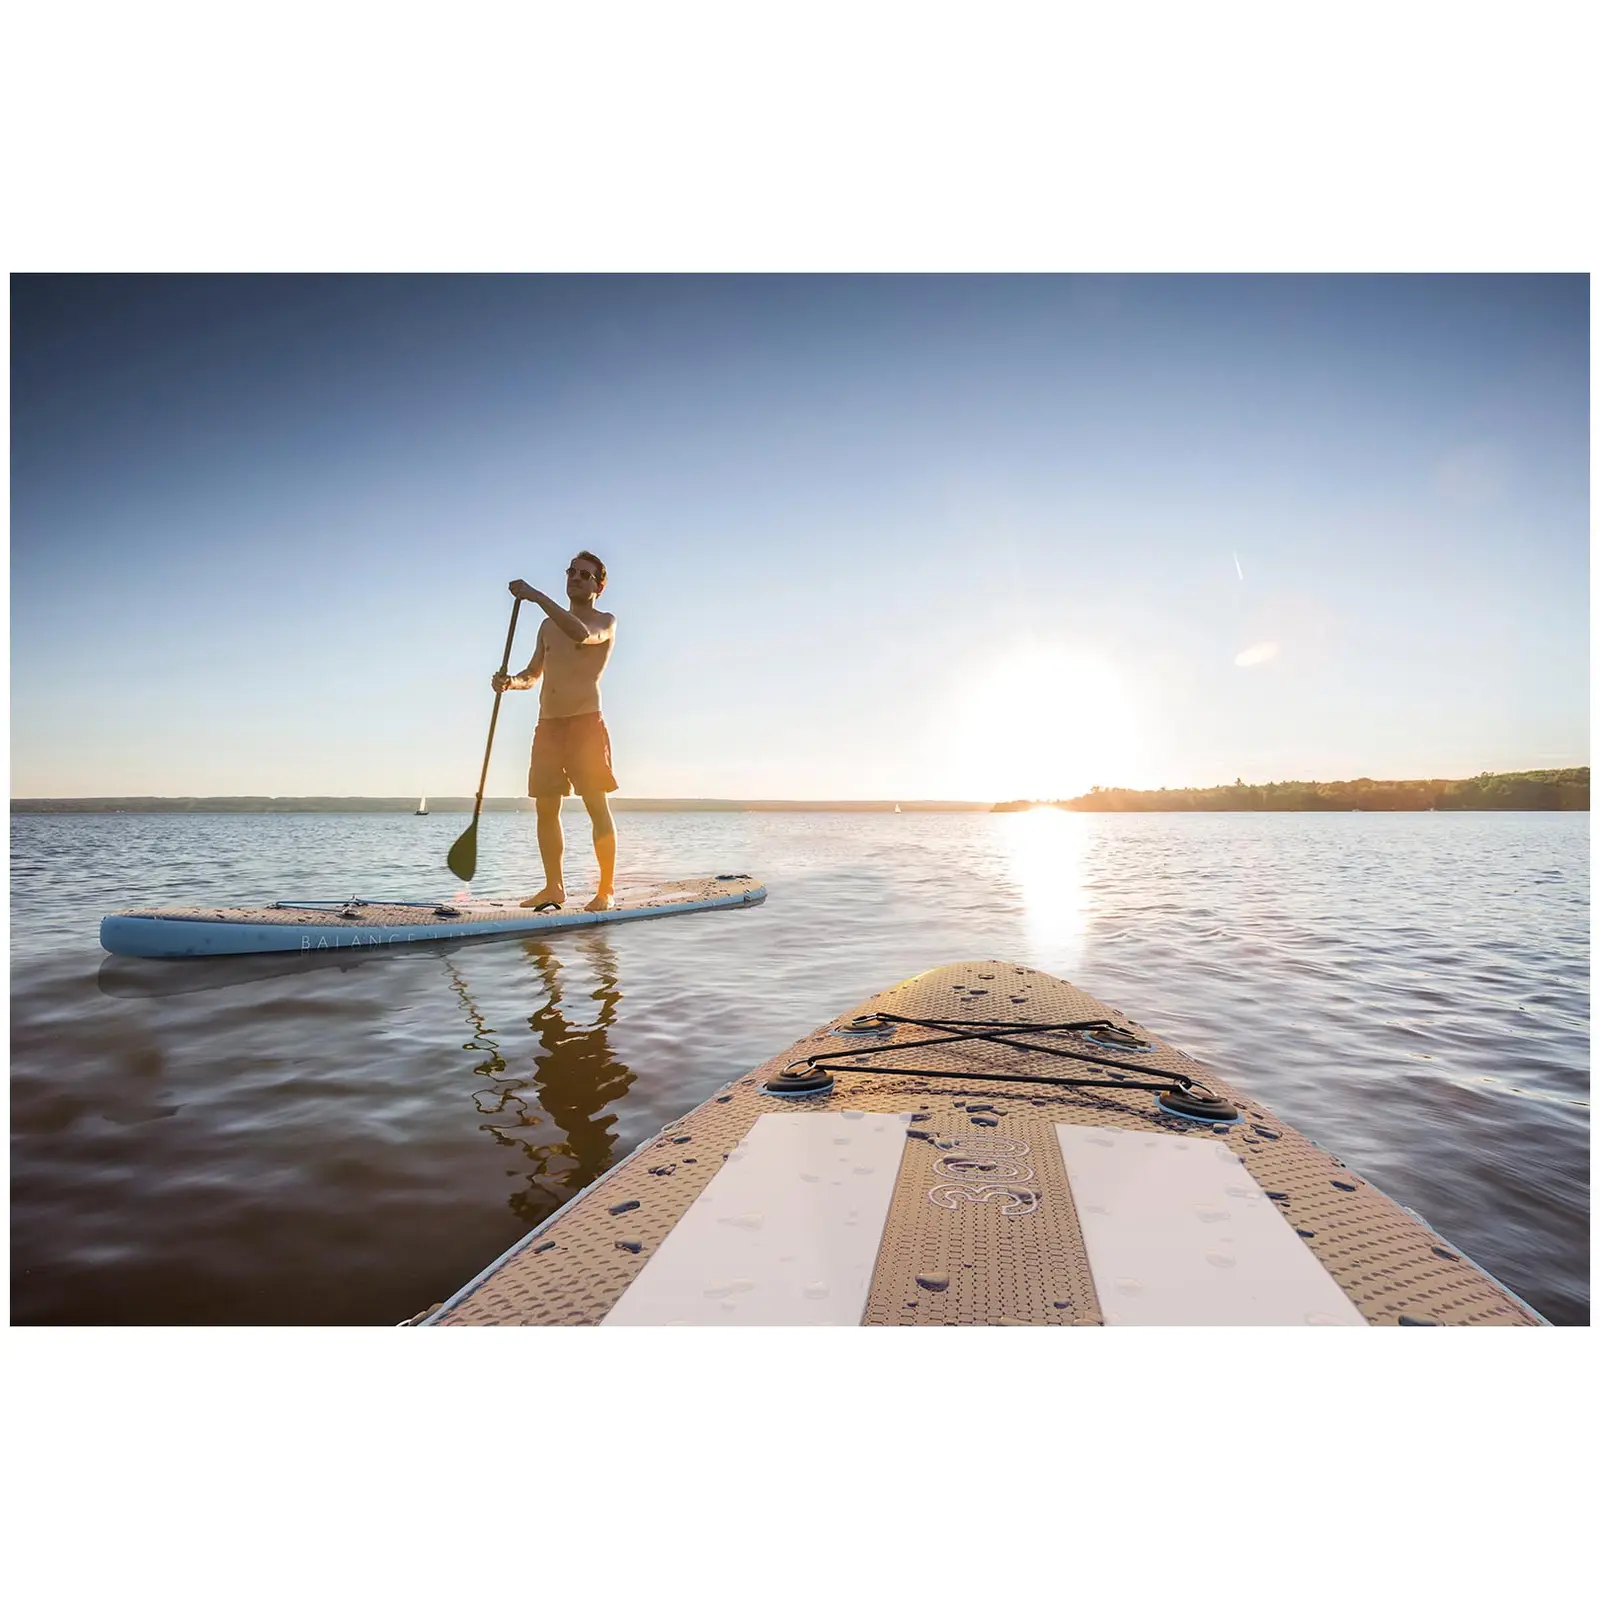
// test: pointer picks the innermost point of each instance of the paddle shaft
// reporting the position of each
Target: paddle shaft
(494, 716)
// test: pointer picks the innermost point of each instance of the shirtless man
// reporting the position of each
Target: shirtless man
(571, 748)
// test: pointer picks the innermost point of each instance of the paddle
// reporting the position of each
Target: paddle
(463, 857)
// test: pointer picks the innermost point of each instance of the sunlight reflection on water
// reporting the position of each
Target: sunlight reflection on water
(1047, 850)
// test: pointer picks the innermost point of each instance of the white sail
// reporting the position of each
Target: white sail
(422, 806)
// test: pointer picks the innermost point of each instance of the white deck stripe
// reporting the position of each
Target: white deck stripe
(785, 1235)
(1180, 1235)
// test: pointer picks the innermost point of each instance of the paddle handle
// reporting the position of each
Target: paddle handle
(494, 716)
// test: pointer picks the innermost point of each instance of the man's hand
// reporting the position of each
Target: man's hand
(524, 591)
(502, 681)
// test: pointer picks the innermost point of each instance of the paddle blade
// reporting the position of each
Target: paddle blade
(463, 857)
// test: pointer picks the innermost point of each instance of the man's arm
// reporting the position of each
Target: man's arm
(575, 628)
(529, 675)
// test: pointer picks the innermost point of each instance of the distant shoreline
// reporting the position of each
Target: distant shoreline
(449, 803)
(1553, 789)
(1563, 789)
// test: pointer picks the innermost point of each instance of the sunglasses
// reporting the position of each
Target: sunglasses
(583, 572)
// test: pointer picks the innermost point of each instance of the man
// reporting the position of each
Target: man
(571, 748)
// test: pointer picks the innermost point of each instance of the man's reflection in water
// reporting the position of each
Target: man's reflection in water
(575, 1076)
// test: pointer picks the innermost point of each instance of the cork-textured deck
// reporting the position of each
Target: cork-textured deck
(1020, 1258)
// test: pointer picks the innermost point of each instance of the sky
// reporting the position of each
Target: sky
(869, 537)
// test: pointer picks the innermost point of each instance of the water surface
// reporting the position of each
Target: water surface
(347, 1140)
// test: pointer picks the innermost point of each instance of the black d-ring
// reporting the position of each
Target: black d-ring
(871, 1024)
(797, 1081)
(1198, 1103)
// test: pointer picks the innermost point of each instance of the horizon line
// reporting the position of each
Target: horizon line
(892, 800)
(630, 802)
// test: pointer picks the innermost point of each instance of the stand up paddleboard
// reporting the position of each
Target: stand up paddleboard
(303, 926)
(982, 1144)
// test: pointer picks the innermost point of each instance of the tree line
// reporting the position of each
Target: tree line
(1556, 789)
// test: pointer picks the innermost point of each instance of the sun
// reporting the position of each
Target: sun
(1042, 722)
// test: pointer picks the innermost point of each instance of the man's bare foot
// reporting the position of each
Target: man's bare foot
(604, 901)
(550, 895)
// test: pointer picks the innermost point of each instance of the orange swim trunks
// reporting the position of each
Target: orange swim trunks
(570, 753)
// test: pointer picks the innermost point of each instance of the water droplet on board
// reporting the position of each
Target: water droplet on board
(632, 1246)
(937, 1281)
(986, 1122)
(920, 1116)
(549, 1244)
(1062, 1305)
(1349, 1188)
(624, 1205)
(1211, 1216)
(1238, 1191)
(1129, 1286)
(723, 1099)
(750, 1221)
(809, 1177)
(1321, 1319)
(721, 1291)
(1102, 1139)
(863, 1172)
(844, 1140)
(1098, 1210)
(852, 1116)
(1220, 1258)
(815, 1291)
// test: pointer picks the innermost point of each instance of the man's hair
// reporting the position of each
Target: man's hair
(599, 565)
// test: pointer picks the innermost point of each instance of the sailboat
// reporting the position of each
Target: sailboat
(897, 810)
(422, 806)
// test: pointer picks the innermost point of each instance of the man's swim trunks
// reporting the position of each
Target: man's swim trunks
(570, 753)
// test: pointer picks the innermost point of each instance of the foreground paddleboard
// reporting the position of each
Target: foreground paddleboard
(982, 1144)
(312, 925)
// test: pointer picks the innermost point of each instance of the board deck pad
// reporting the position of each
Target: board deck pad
(786, 1233)
(1010, 1201)
(307, 926)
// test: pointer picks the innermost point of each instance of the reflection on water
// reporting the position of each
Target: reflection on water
(574, 1076)
(1047, 851)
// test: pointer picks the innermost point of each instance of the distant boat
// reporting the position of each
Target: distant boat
(422, 806)
(897, 811)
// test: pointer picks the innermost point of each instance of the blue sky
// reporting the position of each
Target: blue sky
(869, 537)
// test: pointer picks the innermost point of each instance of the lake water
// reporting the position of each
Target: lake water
(262, 1141)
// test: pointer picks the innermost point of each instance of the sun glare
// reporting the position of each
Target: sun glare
(1043, 723)
(1047, 851)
